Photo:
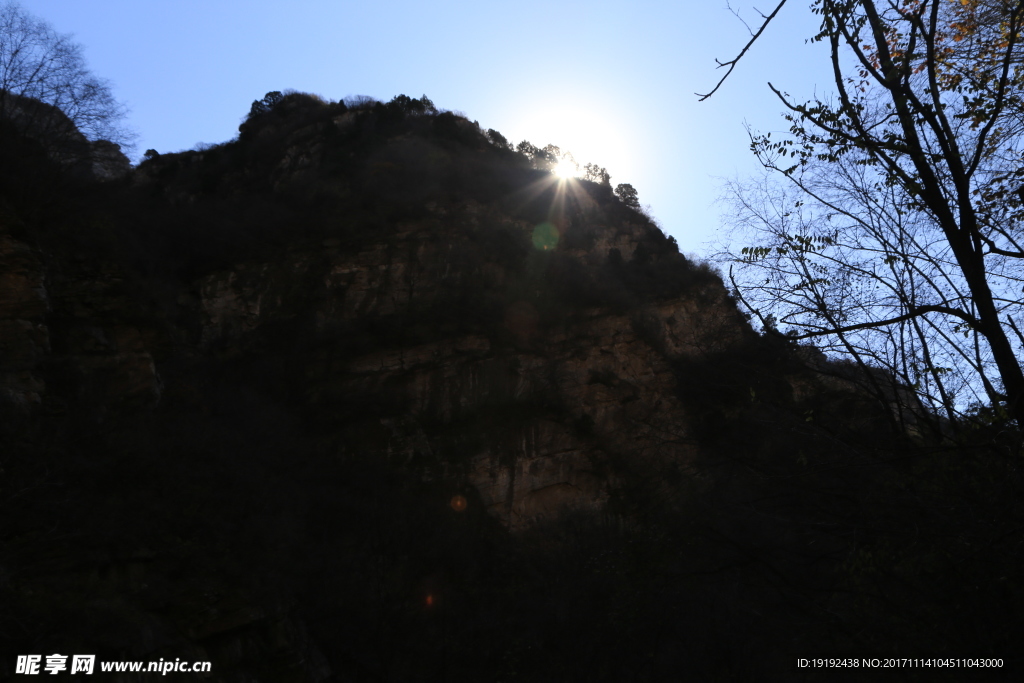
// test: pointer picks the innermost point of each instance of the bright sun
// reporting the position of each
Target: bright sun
(566, 169)
(583, 126)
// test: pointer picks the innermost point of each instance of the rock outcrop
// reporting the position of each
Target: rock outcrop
(57, 135)
(606, 369)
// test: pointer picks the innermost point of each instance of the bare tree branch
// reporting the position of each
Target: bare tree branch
(40, 65)
(734, 61)
(899, 200)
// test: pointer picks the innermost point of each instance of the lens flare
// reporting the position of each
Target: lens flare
(459, 503)
(545, 237)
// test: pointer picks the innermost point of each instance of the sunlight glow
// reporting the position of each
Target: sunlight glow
(566, 169)
(583, 126)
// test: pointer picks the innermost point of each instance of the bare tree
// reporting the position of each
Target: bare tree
(45, 85)
(894, 235)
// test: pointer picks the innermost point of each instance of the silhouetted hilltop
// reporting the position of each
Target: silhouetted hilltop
(366, 394)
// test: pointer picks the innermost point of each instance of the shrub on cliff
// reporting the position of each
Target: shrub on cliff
(498, 140)
(627, 195)
(409, 106)
(275, 107)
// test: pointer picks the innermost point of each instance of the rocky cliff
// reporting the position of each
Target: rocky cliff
(48, 129)
(362, 395)
(557, 329)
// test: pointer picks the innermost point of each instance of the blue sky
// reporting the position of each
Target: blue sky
(611, 82)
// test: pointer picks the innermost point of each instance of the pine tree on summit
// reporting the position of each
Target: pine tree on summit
(261, 107)
(627, 195)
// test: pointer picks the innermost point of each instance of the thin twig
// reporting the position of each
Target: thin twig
(732, 63)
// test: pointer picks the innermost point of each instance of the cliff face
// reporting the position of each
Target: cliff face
(343, 365)
(567, 390)
(524, 412)
(486, 317)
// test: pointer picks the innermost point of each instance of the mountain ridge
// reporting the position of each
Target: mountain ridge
(276, 400)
